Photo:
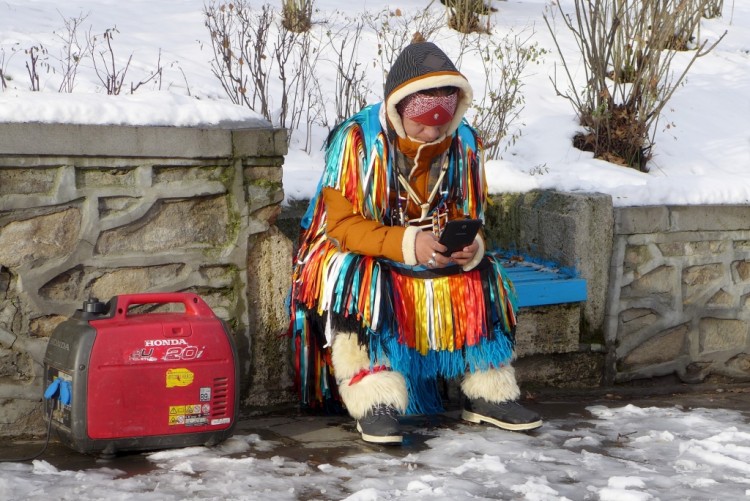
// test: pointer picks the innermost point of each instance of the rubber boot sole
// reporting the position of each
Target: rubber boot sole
(473, 417)
(380, 439)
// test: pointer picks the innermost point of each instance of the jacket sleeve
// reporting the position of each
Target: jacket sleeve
(354, 233)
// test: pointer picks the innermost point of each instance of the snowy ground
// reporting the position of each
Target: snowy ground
(609, 451)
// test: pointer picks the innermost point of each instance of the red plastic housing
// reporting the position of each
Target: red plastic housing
(160, 373)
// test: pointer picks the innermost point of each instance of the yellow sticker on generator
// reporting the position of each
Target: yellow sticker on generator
(179, 377)
(175, 410)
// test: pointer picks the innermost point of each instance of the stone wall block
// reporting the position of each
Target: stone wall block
(163, 174)
(259, 142)
(563, 370)
(66, 286)
(574, 230)
(110, 207)
(39, 238)
(709, 217)
(659, 281)
(740, 364)
(721, 300)
(706, 248)
(104, 284)
(553, 329)
(19, 417)
(19, 181)
(169, 225)
(636, 320)
(662, 348)
(637, 256)
(106, 178)
(701, 282)
(741, 271)
(44, 325)
(722, 334)
(261, 194)
(269, 281)
(638, 220)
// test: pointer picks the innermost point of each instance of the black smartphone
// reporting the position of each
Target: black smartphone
(458, 234)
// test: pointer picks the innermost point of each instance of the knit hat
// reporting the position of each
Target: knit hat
(419, 67)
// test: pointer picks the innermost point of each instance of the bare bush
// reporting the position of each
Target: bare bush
(239, 39)
(504, 61)
(245, 62)
(713, 9)
(628, 78)
(4, 77)
(681, 18)
(37, 58)
(352, 89)
(72, 52)
(466, 16)
(297, 15)
(155, 76)
(308, 102)
(295, 60)
(110, 73)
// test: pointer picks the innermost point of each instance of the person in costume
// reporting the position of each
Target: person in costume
(377, 312)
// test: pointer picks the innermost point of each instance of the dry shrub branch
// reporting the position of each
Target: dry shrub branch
(627, 48)
(504, 61)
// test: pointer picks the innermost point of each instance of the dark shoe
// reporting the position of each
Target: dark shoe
(380, 426)
(506, 415)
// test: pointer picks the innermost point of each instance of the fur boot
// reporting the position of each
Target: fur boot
(372, 386)
(493, 385)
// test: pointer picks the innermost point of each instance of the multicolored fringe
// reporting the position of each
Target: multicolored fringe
(421, 323)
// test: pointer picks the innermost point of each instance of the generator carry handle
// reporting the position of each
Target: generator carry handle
(194, 304)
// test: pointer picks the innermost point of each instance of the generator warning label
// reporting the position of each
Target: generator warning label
(189, 415)
(179, 377)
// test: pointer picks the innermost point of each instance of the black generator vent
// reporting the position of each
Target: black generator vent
(220, 407)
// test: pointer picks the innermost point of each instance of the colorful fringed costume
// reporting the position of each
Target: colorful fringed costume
(409, 319)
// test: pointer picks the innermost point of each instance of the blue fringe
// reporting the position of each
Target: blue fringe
(421, 371)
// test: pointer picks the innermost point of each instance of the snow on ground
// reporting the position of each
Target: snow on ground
(626, 453)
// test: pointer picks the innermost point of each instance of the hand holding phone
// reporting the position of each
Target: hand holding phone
(459, 233)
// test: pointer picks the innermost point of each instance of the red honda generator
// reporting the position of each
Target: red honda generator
(118, 380)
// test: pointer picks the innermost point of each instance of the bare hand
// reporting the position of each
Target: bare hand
(465, 255)
(428, 249)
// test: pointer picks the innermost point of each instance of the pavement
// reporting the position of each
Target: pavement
(325, 439)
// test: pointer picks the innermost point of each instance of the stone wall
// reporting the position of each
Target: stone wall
(679, 293)
(90, 211)
(559, 346)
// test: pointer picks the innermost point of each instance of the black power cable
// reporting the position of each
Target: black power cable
(46, 440)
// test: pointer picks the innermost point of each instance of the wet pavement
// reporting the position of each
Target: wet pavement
(326, 439)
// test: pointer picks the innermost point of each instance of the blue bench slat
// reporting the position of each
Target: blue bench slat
(535, 275)
(550, 292)
(540, 286)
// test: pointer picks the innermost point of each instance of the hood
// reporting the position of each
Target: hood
(422, 66)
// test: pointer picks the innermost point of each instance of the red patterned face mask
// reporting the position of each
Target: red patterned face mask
(428, 110)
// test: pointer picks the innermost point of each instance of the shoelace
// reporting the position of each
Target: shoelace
(384, 410)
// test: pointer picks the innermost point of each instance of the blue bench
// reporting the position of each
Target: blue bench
(538, 285)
